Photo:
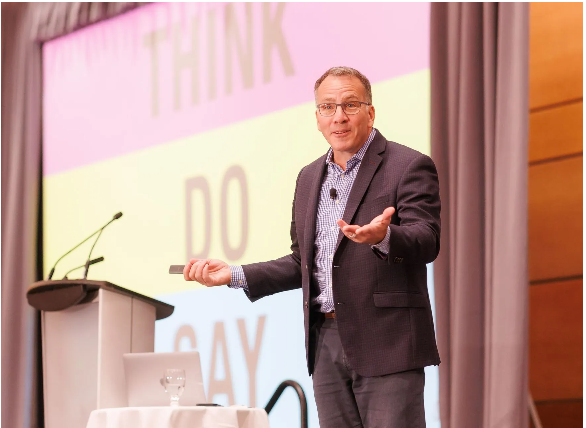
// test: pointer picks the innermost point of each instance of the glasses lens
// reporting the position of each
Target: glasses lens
(351, 107)
(327, 109)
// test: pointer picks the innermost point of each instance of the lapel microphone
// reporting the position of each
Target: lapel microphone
(333, 193)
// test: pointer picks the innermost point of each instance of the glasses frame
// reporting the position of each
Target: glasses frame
(342, 106)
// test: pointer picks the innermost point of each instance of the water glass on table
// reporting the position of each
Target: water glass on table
(174, 384)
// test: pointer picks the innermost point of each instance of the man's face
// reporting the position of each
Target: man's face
(345, 133)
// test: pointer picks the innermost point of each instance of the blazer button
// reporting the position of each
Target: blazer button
(398, 260)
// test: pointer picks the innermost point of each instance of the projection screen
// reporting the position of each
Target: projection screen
(194, 120)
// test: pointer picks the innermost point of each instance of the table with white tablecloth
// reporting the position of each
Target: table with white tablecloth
(179, 417)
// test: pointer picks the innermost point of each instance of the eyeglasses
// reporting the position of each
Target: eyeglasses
(350, 107)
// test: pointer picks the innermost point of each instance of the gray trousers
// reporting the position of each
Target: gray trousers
(346, 400)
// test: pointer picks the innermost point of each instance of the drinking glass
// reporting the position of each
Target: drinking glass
(174, 383)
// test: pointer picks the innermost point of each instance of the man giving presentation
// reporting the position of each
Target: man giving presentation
(365, 222)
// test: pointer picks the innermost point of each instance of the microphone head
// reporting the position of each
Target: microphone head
(117, 216)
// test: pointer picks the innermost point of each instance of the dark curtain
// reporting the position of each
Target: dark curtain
(21, 151)
(479, 140)
(24, 27)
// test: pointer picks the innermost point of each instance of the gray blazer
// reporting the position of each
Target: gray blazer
(382, 306)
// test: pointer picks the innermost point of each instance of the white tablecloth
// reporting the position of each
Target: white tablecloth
(179, 417)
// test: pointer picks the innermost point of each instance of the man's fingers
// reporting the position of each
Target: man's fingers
(186, 270)
(205, 273)
(195, 271)
(199, 271)
(192, 272)
(368, 232)
(364, 232)
(350, 231)
(208, 272)
(388, 213)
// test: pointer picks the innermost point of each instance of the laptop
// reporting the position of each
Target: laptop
(144, 373)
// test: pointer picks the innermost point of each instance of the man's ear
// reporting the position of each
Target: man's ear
(371, 115)
(317, 120)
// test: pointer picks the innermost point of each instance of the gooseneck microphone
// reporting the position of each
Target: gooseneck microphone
(116, 217)
(92, 262)
(333, 193)
(87, 263)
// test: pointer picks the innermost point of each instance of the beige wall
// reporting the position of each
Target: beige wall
(555, 212)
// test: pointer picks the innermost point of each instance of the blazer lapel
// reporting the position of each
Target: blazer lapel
(368, 167)
(311, 215)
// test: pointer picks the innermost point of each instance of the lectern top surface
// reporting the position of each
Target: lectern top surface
(54, 295)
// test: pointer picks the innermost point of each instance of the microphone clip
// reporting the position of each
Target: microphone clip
(333, 193)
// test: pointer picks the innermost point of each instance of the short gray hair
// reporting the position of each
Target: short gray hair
(346, 71)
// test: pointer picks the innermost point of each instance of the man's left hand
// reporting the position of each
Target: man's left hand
(371, 233)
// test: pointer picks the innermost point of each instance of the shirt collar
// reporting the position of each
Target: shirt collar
(357, 158)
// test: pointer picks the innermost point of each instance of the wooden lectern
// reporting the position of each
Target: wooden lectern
(86, 327)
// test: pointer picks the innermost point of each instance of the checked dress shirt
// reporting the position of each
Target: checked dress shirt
(329, 210)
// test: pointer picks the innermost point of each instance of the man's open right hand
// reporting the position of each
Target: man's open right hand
(208, 272)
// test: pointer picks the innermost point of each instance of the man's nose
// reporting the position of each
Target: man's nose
(340, 116)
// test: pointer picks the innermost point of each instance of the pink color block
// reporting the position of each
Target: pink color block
(98, 81)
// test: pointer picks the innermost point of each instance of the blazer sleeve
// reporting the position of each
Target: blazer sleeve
(278, 275)
(416, 239)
